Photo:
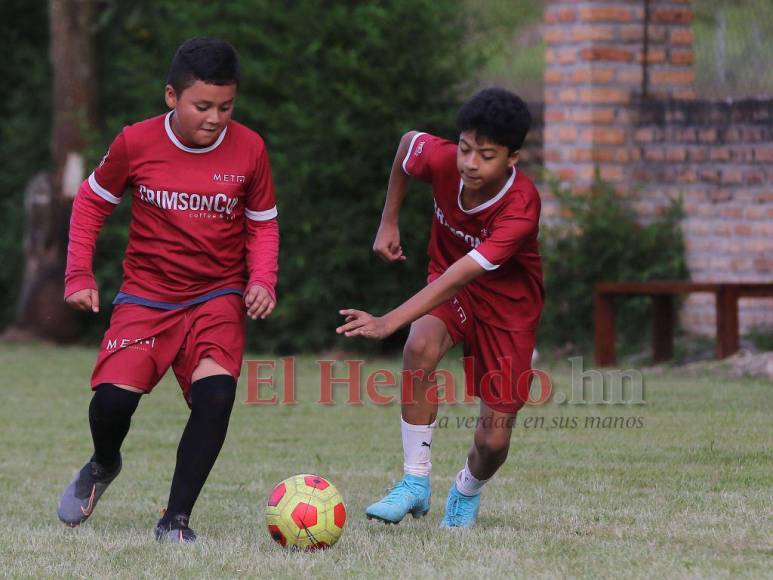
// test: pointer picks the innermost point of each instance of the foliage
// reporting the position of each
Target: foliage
(603, 240)
(25, 131)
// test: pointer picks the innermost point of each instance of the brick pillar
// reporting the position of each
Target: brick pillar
(601, 61)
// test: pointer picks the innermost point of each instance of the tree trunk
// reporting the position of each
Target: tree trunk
(41, 311)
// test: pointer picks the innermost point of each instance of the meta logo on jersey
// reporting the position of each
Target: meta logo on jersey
(472, 241)
(219, 203)
(146, 343)
(227, 178)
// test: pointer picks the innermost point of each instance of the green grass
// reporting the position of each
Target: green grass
(689, 494)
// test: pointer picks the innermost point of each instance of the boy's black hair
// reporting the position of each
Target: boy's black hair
(210, 60)
(498, 115)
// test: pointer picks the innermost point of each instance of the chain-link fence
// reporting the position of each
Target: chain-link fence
(733, 48)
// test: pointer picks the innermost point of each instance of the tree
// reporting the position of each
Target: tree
(48, 197)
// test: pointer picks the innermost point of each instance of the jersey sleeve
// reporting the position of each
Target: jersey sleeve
(508, 233)
(96, 199)
(110, 178)
(427, 155)
(260, 198)
(262, 227)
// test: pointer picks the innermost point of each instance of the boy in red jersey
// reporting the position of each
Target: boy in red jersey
(484, 290)
(202, 255)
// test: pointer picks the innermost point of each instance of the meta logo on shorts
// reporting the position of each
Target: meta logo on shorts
(459, 310)
(144, 344)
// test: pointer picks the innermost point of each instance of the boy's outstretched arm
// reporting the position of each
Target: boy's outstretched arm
(387, 244)
(359, 323)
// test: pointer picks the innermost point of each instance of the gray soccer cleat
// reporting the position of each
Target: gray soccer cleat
(174, 529)
(82, 494)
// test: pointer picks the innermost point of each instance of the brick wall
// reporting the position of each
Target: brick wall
(619, 97)
(719, 157)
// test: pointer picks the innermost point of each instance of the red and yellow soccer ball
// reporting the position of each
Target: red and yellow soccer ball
(305, 512)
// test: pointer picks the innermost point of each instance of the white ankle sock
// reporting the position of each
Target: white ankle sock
(467, 483)
(417, 447)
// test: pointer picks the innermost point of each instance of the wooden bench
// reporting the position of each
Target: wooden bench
(663, 315)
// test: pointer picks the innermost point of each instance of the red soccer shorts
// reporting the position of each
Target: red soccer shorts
(142, 343)
(495, 358)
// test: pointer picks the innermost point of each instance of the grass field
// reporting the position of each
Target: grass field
(688, 494)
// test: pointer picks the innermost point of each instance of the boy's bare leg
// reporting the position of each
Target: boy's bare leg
(491, 442)
(427, 344)
(488, 453)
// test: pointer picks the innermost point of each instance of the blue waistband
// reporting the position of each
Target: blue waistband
(123, 298)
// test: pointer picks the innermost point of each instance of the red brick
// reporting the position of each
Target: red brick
(754, 177)
(645, 135)
(567, 134)
(764, 264)
(592, 33)
(732, 175)
(550, 56)
(682, 57)
(730, 212)
(742, 230)
(611, 172)
(672, 15)
(697, 154)
(720, 154)
(553, 115)
(708, 135)
(595, 115)
(567, 174)
(654, 155)
(552, 76)
(606, 53)
(593, 75)
(554, 35)
(756, 212)
(653, 56)
(676, 154)
(632, 33)
(603, 136)
(630, 76)
(681, 36)
(567, 96)
(604, 95)
(672, 77)
(606, 14)
(567, 56)
(764, 154)
(560, 15)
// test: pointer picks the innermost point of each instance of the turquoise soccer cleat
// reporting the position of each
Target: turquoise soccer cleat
(410, 495)
(461, 510)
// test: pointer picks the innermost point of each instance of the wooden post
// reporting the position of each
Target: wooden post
(662, 327)
(604, 328)
(728, 340)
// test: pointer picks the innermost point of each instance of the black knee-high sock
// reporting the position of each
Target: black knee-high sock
(110, 414)
(212, 399)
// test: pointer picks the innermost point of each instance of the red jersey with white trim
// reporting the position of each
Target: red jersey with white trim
(500, 234)
(197, 214)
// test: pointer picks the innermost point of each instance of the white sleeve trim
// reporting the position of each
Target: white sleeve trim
(410, 150)
(101, 191)
(482, 261)
(261, 216)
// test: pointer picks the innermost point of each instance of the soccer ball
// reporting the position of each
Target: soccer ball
(305, 512)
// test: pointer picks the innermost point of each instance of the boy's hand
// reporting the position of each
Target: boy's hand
(387, 245)
(359, 323)
(86, 299)
(258, 302)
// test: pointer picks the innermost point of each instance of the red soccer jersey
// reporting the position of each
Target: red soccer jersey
(501, 235)
(203, 220)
